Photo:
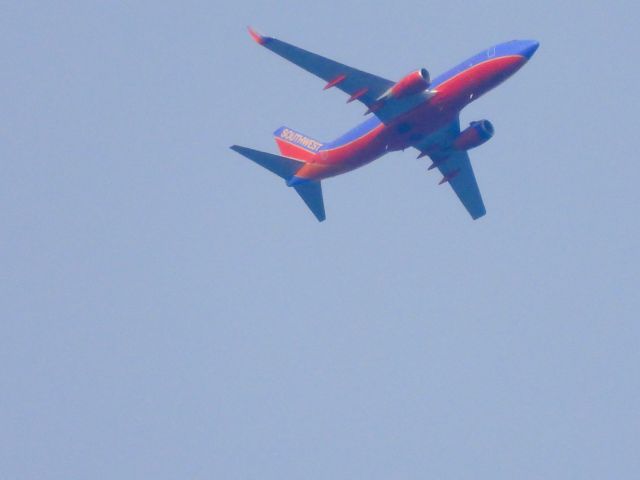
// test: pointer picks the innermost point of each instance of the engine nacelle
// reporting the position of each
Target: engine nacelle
(474, 135)
(413, 83)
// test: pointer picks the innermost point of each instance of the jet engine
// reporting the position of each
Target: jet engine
(413, 83)
(474, 135)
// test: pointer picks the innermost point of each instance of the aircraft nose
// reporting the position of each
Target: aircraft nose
(529, 48)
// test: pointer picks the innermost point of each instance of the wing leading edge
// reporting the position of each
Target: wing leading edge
(362, 86)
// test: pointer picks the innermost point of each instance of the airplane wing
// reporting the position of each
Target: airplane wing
(362, 86)
(456, 168)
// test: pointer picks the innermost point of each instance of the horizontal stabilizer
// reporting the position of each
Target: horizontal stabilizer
(284, 167)
(311, 193)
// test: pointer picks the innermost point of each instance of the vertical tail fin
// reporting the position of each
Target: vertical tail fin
(296, 145)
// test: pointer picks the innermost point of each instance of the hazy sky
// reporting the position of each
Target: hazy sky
(172, 311)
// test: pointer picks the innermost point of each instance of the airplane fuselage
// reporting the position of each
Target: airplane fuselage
(455, 89)
(411, 112)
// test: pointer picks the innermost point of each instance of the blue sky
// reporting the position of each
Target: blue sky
(171, 310)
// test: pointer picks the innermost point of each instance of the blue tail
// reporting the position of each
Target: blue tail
(311, 193)
(286, 168)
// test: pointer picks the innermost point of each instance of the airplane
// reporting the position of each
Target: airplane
(414, 112)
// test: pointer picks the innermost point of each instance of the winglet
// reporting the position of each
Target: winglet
(259, 39)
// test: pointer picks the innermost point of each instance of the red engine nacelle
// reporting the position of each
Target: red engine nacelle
(474, 135)
(413, 83)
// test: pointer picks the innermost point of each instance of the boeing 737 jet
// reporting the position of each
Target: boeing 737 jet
(414, 112)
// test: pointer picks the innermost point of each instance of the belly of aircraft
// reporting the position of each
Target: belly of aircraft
(415, 125)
